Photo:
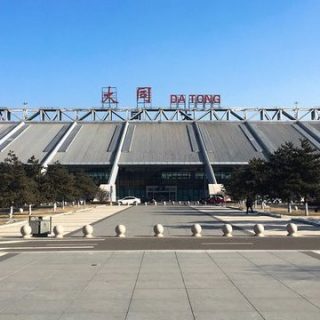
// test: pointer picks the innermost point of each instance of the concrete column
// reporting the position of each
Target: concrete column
(208, 168)
(115, 166)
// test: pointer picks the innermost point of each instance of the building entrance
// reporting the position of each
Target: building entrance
(161, 193)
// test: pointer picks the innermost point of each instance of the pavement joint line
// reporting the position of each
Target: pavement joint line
(226, 243)
(50, 245)
(19, 269)
(240, 291)
(153, 251)
(41, 248)
(135, 285)
(185, 287)
(295, 265)
(277, 278)
(58, 240)
(76, 296)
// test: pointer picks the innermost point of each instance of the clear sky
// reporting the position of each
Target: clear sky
(252, 52)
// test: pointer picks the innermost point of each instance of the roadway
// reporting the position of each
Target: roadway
(177, 221)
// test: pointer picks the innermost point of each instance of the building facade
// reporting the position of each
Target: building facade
(154, 154)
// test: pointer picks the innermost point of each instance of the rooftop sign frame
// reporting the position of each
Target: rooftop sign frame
(157, 114)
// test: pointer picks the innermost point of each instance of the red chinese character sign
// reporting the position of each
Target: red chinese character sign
(144, 96)
(109, 97)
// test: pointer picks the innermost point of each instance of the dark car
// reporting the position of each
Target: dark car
(216, 200)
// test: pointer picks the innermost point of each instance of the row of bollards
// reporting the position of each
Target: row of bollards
(158, 230)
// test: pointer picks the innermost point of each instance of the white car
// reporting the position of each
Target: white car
(129, 200)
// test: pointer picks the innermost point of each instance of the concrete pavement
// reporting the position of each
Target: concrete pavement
(70, 220)
(177, 221)
(76, 278)
(274, 226)
(160, 285)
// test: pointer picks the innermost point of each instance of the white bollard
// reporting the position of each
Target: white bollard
(136, 203)
(111, 204)
(119, 204)
(11, 212)
(30, 210)
(87, 231)
(158, 230)
(26, 231)
(21, 210)
(55, 207)
(155, 203)
(172, 202)
(227, 230)
(179, 202)
(196, 230)
(258, 230)
(120, 231)
(146, 203)
(188, 203)
(58, 231)
(292, 230)
(164, 203)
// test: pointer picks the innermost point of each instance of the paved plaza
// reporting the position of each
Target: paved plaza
(135, 278)
(160, 285)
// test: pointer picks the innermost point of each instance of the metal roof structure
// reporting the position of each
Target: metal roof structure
(160, 143)
(159, 114)
(227, 138)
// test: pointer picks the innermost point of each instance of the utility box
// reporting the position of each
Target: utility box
(40, 226)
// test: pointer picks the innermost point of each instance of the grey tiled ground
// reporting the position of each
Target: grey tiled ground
(160, 285)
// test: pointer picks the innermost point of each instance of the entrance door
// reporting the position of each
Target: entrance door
(161, 193)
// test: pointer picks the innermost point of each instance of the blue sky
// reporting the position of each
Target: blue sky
(252, 52)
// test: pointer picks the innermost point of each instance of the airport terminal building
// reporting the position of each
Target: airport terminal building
(157, 153)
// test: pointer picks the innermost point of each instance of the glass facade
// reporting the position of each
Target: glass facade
(163, 183)
(223, 173)
(100, 174)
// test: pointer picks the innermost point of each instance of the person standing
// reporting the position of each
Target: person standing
(249, 204)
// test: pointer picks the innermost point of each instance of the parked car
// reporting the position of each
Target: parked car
(274, 201)
(129, 200)
(215, 199)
